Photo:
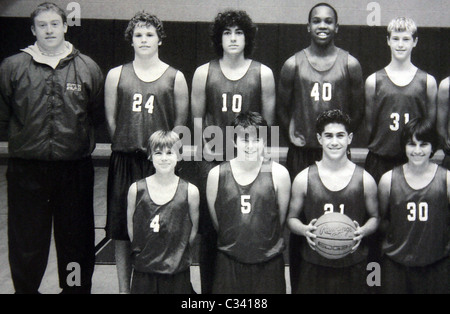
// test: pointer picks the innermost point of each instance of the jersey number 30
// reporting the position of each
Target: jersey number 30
(138, 100)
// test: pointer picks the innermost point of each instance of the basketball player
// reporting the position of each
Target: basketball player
(141, 97)
(316, 79)
(50, 102)
(414, 200)
(442, 118)
(221, 89)
(395, 95)
(162, 223)
(248, 198)
(334, 184)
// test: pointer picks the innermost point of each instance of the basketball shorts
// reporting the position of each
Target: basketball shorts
(300, 158)
(315, 279)
(377, 165)
(151, 283)
(400, 279)
(124, 170)
(233, 277)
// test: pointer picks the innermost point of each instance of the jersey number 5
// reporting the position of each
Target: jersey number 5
(137, 103)
(246, 206)
(327, 92)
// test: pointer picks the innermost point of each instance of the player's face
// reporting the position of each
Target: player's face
(335, 140)
(145, 40)
(233, 40)
(401, 44)
(164, 160)
(249, 147)
(49, 30)
(322, 25)
(418, 152)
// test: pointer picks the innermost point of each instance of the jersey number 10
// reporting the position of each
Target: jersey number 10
(327, 92)
(236, 103)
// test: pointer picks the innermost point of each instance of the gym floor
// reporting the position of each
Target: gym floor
(104, 280)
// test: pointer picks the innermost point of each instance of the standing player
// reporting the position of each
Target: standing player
(248, 198)
(162, 222)
(442, 118)
(50, 96)
(140, 97)
(318, 78)
(221, 89)
(395, 95)
(414, 200)
(334, 184)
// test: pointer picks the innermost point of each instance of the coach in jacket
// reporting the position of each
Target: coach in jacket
(49, 96)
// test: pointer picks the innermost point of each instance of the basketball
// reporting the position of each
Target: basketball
(335, 233)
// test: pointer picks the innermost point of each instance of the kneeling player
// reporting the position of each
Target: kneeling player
(248, 198)
(162, 223)
(414, 201)
(334, 184)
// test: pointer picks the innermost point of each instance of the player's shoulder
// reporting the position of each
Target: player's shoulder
(445, 84)
(279, 170)
(386, 179)
(115, 72)
(193, 190)
(14, 61)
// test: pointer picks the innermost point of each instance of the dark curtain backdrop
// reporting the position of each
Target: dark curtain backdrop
(188, 45)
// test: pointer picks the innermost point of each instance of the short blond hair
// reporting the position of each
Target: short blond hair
(163, 139)
(402, 24)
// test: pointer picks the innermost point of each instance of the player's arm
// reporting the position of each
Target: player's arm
(371, 202)
(198, 97)
(357, 100)
(268, 94)
(370, 101)
(442, 115)
(282, 183)
(431, 98)
(181, 94)
(298, 196)
(384, 193)
(194, 202)
(5, 96)
(212, 186)
(448, 186)
(131, 207)
(285, 94)
(111, 83)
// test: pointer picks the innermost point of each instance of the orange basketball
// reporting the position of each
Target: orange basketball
(335, 233)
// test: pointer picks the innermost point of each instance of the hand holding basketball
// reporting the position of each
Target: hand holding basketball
(310, 236)
(359, 234)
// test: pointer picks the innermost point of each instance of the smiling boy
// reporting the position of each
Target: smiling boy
(141, 97)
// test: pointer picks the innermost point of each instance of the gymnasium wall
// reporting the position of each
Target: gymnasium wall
(282, 32)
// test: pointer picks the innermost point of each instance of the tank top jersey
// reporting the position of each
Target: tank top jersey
(225, 98)
(349, 201)
(419, 229)
(395, 106)
(161, 232)
(248, 217)
(142, 108)
(317, 91)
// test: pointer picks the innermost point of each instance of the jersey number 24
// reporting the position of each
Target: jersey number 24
(138, 101)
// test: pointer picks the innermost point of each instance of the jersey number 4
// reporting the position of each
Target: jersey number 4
(138, 101)
(154, 224)
(326, 93)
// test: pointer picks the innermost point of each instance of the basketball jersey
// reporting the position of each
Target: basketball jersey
(161, 232)
(349, 201)
(419, 221)
(317, 91)
(394, 106)
(225, 99)
(248, 216)
(142, 108)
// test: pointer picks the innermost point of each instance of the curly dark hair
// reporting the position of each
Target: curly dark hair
(233, 18)
(332, 116)
(147, 19)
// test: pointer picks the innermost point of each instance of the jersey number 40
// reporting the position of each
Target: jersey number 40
(326, 92)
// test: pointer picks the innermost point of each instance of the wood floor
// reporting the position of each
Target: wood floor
(104, 280)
